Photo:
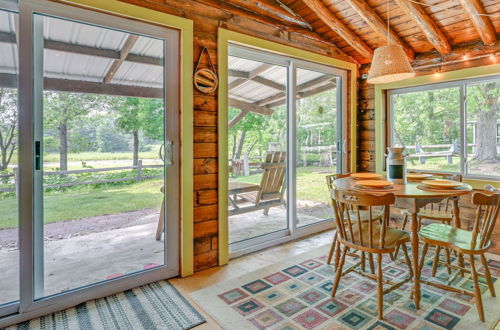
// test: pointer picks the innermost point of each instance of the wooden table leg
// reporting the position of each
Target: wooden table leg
(415, 256)
(457, 223)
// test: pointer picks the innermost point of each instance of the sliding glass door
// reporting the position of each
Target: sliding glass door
(286, 132)
(97, 178)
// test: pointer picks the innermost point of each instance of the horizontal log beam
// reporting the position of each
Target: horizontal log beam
(429, 28)
(87, 50)
(257, 79)
(303, 95)
(328, 18)
(75, 86)
(254, 73)
(272, 9)
(483, 25)
(380, 27)
(250, 107)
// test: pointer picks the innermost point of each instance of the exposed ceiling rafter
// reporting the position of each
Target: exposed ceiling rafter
(124, 52)
(483, 25)
(431, 30)
(378, 25)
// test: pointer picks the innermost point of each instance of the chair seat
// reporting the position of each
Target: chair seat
(252, 198)
(364, 215)
(448, 235)
(393, 237)
(439, 215)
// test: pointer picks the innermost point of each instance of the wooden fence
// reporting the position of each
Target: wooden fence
(137, 177)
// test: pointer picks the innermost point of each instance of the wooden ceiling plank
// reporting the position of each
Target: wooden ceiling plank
(483, 25)
(124, 51)
(433, 33)
(375, 22)
(340, 28)
(273, 9)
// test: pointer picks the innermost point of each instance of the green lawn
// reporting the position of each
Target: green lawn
(67, 205)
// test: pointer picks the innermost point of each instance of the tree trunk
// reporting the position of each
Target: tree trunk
(136, 148)
(240, 145)
(486, 130)
(63, 144)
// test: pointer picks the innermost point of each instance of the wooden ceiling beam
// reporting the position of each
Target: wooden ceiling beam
(87, 87)
(237, 118)
(305, 94)
(377, 24)
(273, 9)
(257, 79)
(483, 25)
(250, 107)
(87, 50)
(124, 51)
(431, 30)
(254, 73)
(279, 24)
(339, 27)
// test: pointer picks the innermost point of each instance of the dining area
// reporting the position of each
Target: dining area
(429, 235)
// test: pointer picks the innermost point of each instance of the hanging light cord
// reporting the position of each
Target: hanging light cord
(450, 10)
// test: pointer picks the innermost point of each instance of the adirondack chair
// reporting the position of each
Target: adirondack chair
(271, 189)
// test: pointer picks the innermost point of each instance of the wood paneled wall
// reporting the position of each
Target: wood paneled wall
(366, 140)
(207, 20)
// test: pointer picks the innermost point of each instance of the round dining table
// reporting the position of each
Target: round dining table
(412, 197)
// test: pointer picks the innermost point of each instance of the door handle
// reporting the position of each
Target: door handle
(169, 152)
(344, 146)
(38, 157)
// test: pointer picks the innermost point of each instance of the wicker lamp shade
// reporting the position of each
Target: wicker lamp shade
(389, 64)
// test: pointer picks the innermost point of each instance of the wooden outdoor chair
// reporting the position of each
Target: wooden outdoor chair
(159, 227)
(441, 212)
(364, 216)
(374, 237)
(472, 243)
(271, 189)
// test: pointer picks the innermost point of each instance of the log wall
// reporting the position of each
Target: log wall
(207, 20)
(366, 140)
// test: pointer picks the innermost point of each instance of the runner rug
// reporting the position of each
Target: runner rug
(295, 294)
(154, 306)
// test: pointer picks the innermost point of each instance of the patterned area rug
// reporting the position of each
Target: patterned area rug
(154, 306)
(296, 295)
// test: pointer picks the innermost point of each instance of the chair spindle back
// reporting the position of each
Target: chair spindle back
(352, 231)
(487, 209)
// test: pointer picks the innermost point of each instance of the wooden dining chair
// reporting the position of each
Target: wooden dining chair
(440, 212)
(472, 243)
(364, 216)
(374, 237)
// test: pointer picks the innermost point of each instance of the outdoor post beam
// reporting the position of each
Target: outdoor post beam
(431, 30)
(483, 25)
(257, 79)
(87, 50)
(380, 27)
(237, 118)
(254, 73)
(340, 28)
(124, 51)
(272, 9)
(250, 107)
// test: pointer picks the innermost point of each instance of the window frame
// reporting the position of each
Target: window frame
(462, 84)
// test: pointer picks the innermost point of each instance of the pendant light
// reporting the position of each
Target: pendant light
(389, 63)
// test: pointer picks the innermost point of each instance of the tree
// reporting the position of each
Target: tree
(61, 111)
(484, 104)
(8, 125)
(140, 115)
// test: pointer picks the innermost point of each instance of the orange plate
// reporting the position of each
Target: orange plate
(442, 183)
(366, 176)
(374, 183)
(418, 176)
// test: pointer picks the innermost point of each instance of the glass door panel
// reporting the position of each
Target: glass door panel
(318, 112)
(9, 174)
(483, 128)
(102, 128)
(257, 148)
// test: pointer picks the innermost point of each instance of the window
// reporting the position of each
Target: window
(441, 133)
